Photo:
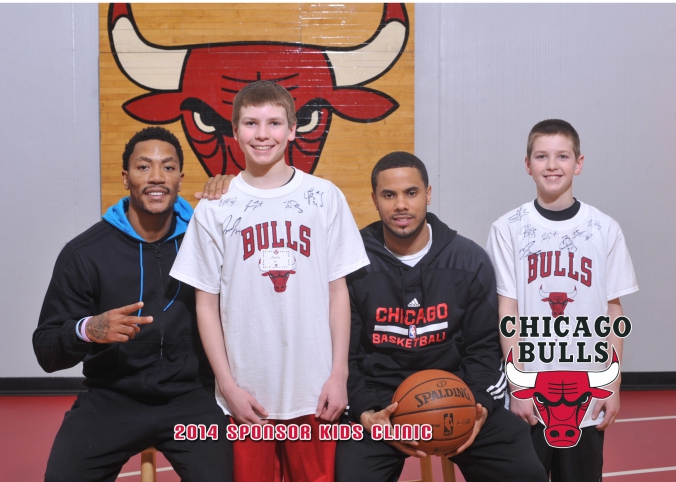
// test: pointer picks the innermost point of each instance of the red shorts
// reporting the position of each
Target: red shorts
(295, 461)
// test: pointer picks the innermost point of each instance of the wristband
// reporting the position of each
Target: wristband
(80, 329)
(77, 327)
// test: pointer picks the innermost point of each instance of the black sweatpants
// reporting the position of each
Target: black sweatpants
(582, 463)
(103, 429)
(502, 451)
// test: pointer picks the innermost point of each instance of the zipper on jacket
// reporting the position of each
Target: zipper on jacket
(158, 256)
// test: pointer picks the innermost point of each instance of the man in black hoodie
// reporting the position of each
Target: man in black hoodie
(144, 364)
(426, 301)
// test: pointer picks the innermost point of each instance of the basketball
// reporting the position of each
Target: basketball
(440, 399)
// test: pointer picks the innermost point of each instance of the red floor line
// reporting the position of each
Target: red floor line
(645, 419)
(641, 471)
(138, 472)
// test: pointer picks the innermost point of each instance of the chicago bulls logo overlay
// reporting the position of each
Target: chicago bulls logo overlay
(278, 264)
(196, 84)
(558, 300)
(562, 397)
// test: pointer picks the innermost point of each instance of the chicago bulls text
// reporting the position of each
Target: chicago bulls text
(549, 351)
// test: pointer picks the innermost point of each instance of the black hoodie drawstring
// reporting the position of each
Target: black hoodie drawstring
(403, 293)
(422, 286)
(140, 251)
(179, 283)
(140, 255)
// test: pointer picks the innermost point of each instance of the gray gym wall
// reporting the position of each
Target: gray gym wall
(49, 148)
(484, 75)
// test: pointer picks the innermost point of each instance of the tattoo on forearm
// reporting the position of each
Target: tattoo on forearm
(98, 327)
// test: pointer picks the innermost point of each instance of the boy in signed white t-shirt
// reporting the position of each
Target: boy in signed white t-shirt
(558, 256)
(269, 261)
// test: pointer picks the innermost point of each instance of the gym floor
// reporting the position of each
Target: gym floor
(639, 447)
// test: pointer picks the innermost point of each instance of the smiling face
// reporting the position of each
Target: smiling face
(263, 133)
(552, 164)
(401, 199)
(153, 179)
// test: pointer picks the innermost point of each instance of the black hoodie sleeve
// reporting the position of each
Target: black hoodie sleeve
(69, 298)
(481, 360)
(360, 397)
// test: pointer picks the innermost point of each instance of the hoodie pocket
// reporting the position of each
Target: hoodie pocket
(103, 364)
(181, 363)
(442, 357)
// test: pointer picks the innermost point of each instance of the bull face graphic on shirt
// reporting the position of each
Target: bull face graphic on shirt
(278, 264)
(558, 300)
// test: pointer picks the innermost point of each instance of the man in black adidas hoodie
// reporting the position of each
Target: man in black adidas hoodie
(143, 361)
(426, 301)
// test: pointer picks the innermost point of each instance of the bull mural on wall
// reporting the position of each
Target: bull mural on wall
(196, 84)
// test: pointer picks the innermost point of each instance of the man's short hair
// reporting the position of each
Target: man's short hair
(397, 159)
(263, 92)
(154, 133)
(552, 127)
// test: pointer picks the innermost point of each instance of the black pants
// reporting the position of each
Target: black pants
(103, 429)
(501, 452)
(582, 463)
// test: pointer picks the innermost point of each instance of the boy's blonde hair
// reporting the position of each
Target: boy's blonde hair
(552, 127)
(261, 93)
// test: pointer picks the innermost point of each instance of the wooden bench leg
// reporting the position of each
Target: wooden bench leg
(149, 465)
(448, 469)
(426, 469)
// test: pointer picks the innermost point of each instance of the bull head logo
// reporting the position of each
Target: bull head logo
(562, 397)
(558, 300)
(196, 84)
(279, 277)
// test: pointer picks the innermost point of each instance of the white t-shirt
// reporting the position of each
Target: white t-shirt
(577, 266)
(412, 259)
(271, 254)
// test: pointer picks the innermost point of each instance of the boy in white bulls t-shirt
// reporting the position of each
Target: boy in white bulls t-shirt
(269, 261)
(556, 256)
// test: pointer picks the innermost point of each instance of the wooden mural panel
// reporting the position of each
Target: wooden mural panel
(350, 68)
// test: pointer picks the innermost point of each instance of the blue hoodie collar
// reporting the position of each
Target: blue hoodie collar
(116, 215)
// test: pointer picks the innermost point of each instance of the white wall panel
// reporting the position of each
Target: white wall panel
(485, 74)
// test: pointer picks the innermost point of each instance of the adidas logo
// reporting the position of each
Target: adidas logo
(414, 303)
